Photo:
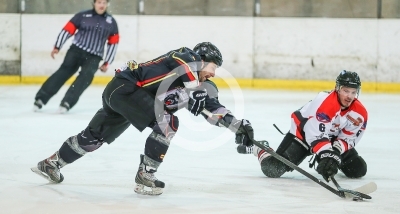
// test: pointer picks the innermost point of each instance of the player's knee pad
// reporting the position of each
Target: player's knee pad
(156, 146)
(290, 148)
(353, 165)
(88, 141)
(273, 168)
(293, 149)
(168, 125)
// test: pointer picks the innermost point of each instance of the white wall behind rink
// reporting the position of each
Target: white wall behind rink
(274, 48)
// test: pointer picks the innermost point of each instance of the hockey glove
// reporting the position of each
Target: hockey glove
(242, 149)
(197, 102)
(244, 133)
(328, 163)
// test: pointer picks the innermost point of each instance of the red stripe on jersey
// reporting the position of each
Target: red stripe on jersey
(319, 145)
(113, 39)
(144, 82)
(70, 28)
(298, 134)
(345, 145)
(296, 120)
(172, 124)
(347, 132)
(187, 69)
(330, 106)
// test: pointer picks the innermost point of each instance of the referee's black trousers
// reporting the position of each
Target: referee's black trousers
(74, 59)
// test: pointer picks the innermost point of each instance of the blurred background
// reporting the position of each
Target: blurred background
(263, 8)
(265, 43)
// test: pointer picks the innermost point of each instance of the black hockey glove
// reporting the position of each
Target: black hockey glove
(197, 101)
(328, 163)
(244, 133)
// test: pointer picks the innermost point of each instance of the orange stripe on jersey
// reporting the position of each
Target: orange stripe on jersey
(70, 28)
(151, 62)
(317, 147)
(188, 71)
(154, 80)
(141, 83)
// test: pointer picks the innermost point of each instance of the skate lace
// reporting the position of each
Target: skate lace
(149, 176)
(53, 161)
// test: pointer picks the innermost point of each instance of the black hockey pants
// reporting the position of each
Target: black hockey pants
(74, 59)
(124, 104)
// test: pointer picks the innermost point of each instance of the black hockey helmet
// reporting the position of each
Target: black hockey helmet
(208, 52)
(348, 79)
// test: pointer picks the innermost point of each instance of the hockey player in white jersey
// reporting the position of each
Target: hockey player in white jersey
(329, 127)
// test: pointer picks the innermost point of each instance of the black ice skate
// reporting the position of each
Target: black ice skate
(146, 182)
(37, 105)
(50, 168)
(64, 108)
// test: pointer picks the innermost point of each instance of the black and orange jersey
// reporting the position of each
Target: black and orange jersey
(177, 68)
(91, 32)
(168, 73)
(322, 120)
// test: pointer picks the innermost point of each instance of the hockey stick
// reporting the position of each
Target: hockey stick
(265, 146)
(278, 129)
(358, 195)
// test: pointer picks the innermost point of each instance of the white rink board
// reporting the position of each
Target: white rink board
(261, 47)
(388, 51)
(233, 36)
(10, 37)
(314, 48)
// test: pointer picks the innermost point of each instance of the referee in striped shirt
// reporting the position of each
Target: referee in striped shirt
(92, 29)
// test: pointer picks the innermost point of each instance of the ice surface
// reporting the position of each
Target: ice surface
(202, 171)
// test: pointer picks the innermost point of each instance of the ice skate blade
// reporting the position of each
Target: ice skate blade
(36, 108)
(42, 174)
(140, 189)
(62, 110)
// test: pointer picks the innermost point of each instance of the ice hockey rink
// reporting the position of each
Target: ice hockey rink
(202, 170)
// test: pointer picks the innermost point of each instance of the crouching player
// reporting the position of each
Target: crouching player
(329, 127)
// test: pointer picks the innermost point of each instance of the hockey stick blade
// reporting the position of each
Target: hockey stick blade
(350, 193)
(264, 145)
(367, 188)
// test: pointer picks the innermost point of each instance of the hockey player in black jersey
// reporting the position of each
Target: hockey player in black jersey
(147, 95)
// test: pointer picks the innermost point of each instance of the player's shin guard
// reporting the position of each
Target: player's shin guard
(146, 182)
(72, 149)
(270, 166)
(156, 147)
(291, 148)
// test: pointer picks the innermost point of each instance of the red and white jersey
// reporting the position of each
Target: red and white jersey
(322, 120)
